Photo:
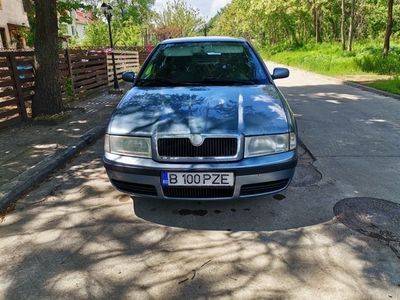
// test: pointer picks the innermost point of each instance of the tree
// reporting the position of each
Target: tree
(63, 9)
(342, 26)
(389, 28)
(179, 15)
(137, 11)
(351, 27)
(317, 22)
(125, 33)
(47, 99)
(293, 23)
(44, 17)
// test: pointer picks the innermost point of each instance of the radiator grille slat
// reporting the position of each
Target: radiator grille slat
(135, 188)
(211, 147)
(263, 188)
(198, 192)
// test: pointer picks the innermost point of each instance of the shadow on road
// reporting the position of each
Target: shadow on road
(78, 238)
(287, 210)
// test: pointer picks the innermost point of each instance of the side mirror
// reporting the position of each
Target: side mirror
(128, 76)
(280, 73)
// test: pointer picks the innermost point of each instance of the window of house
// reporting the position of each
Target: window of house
(3, 42)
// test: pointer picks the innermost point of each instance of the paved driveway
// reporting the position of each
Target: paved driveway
(76, 237)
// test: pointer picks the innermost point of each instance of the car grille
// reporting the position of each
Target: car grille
(135, 188)
(211, 147)
(198, 192)
(263, 188)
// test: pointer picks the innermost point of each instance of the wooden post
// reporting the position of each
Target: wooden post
(18, 86)
(68, 57)
(67, 54)
(107, 83)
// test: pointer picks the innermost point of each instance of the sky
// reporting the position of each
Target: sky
(208, 8)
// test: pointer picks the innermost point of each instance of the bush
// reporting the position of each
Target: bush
(126, 34)
(372, 60)
(328, 58)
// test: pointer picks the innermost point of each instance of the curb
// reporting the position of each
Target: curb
(371, 89)
(11, 191)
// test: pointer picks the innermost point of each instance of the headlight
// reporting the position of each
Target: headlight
(269, 144)
(126, 145)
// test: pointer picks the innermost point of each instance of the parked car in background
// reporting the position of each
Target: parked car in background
(203, 120)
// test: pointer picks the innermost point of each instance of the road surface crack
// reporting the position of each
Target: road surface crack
(193, 272)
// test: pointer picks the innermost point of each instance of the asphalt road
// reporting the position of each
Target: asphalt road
(74, 236)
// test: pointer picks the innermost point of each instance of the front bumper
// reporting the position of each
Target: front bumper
(253, 176)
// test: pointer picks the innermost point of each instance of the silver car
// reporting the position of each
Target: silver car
(203, 121)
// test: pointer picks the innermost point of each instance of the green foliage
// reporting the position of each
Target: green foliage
(125, 33)
(69, 90)
(129, 16)
(285, 31)
(329, 59)
(137, 10)
(178, 19)
(272, 22)
(370, 59)
(63, 7)
(96, 35)
(391, 85)
(323, 58)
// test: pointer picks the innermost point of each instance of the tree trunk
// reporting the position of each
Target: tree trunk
(317, 24)
(351, 27)
(47, 99)
(389, 27)
(342, 26)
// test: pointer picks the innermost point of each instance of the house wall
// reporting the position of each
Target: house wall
(11, 12)
(80, 29)
(76, 29)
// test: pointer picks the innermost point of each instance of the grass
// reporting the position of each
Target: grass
(51, 119)
(329, 59)
(326, 59)
(390, 85)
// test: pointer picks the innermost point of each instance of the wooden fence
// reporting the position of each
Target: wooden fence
(16, 85)
(124, 61)
(142, 57)
(81, 73)
(86, 72)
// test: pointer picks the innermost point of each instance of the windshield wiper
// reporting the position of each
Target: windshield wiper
(211, 81)
(158, 82)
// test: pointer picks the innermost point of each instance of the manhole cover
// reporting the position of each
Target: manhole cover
(376, 218)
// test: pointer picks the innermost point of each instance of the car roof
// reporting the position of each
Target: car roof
(200, 39)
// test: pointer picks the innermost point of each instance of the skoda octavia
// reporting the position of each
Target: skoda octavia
(203, 120)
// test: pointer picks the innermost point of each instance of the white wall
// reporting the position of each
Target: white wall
(75, 29)
(12, 12)
(80, 30)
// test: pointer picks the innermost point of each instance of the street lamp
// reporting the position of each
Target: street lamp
(107, 11)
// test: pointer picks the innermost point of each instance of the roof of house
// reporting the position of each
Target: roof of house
(83, 17)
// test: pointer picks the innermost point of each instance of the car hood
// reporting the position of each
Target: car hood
(247, 110)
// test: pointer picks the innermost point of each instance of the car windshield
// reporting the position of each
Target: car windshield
(206, 63)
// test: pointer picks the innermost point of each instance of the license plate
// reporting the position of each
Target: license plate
(197, 179)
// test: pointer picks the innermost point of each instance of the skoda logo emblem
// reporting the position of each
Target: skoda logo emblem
(196, 140)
